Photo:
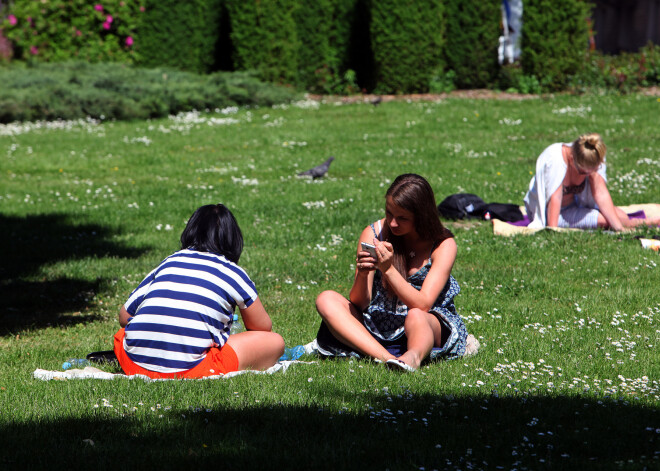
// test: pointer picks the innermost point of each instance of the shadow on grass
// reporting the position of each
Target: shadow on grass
(398, 432)
(28, 244)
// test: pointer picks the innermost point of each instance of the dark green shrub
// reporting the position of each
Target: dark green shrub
(512, 78)
(61, 30)
(317, 62)
(649, 64)
(625, 73)
(360, 54)
(48, 91)
(473, 30)
(264, 37)
(182, 35)
(442, 82)
(344, 16)
(323, 60)
(6, 49)
(555, 37)
(407, 37)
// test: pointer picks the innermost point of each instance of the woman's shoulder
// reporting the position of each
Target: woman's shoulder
(374, 229)
(379, 223)
(447, 242)
(553, 150)
(552, 157)
(445, 247)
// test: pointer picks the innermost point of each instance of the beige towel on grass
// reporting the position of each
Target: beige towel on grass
(502, 228)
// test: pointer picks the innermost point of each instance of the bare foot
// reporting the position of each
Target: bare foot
(411, 358)
(653, 221)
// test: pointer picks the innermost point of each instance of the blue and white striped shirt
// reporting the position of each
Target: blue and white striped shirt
(183, 308)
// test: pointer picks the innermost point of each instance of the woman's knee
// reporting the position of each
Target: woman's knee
(327, 303)
(422, 319)
(277, 342)
(416, 314)
(256, 349)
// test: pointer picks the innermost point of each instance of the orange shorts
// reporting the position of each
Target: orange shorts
(217, 361)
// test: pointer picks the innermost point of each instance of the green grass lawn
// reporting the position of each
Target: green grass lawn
(568, 376)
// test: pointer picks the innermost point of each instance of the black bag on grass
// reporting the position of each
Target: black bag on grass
(504, 212)
(105, 356)
(467, 205)
(462, 205)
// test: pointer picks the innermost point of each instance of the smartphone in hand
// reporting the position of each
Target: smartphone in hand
(370, 248)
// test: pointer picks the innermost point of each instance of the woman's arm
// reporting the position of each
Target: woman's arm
(604, 201)
(442, 261)
(255, 317)
(360, 294)
(554, 208)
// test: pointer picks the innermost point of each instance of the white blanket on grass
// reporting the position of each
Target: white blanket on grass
(90, 372)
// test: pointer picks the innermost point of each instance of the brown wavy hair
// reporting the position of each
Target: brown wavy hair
(413, 193)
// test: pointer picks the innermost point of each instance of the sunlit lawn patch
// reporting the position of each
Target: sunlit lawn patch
(568, 375)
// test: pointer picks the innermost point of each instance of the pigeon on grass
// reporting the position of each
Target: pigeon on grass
(376, 101)
(319, 170)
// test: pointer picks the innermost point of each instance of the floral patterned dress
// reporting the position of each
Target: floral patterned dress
(385, 315)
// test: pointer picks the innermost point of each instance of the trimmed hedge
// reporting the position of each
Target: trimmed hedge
(265, 39)
(326, 46)
(114, 91)
(182, 35)
(323, 58)
(360, 48)
(473, 31)
(317, 61)
(555, 38)
(407, 37)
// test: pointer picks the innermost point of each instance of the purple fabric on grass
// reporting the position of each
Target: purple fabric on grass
(523, 222)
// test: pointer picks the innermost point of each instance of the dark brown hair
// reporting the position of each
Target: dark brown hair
(413, 193)
(213, 228)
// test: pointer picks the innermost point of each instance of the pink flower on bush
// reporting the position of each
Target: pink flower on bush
(129, 41)
(33, 50)
(12, 20)
(106, 25)
(141, 8)
(78, 32)
(108, 19)
(98, 7)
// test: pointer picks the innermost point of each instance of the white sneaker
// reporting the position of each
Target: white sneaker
(399, 365)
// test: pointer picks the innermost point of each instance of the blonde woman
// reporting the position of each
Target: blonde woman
(569, 189)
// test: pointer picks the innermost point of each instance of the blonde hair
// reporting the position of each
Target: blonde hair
(589, 151)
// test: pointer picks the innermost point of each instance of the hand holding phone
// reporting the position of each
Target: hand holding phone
(370, 248)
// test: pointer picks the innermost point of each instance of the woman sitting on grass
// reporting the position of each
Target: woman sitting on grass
(401, 304)
(569, 189)
(176, 322)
